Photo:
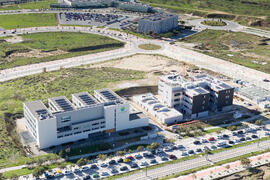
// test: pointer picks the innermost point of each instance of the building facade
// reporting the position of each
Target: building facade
(194, 98)
(85, 117)
(158, 23)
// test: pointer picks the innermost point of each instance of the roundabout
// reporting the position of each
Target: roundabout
(215, 24)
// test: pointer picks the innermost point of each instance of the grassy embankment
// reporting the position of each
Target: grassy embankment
(31, 5)
(245, 49)
(43, 47)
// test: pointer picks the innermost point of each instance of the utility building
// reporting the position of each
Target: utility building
(86, 117)
(158, 23)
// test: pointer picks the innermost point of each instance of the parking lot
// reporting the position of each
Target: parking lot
(95, 19)
(166, 152)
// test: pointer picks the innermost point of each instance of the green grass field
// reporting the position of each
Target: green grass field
(42, 86)
(240, 48)
(13, 21)
(247, 7)
(31, 5)
(51, 46)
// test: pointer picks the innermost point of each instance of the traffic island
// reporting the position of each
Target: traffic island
(149, 47)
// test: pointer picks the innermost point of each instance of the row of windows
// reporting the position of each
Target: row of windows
(79, 132)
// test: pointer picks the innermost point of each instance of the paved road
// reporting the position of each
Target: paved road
(198, 162)
(230, 25)
(201, 60)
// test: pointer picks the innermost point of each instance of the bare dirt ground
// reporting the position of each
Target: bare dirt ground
(15, 39)
(152, 65)
(37, 53)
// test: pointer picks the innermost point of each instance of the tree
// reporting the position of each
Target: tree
(245, 162)
(120, 153)
(38, 171)
(14, 176)
(102, 157)
(140, 148)
(130, 150)
(172, 140)
(62, 153)
(227, 166)
(258, 122)
(81, 162)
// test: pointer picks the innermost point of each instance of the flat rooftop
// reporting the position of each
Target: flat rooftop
(196, 91)
(85, 98)
(158, 17)
(108, 95)
(254, 92)
(38, 110)
(214, 83)
(174, 79)
(61, 103)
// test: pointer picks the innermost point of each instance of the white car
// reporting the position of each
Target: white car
(67, 172)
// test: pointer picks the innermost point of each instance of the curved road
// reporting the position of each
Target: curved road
(182, 54)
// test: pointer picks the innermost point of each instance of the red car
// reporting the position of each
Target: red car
(211, 139)
(130, 157)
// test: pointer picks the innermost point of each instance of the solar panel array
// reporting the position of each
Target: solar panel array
(87, 99)
(41, 111)
(108, 95)
(64, 104)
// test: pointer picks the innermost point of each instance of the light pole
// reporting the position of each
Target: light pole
(146, 171)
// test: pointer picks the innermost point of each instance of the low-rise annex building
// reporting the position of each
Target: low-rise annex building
(85, 117)
(152, 105)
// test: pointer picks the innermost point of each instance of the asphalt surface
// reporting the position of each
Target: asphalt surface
(198, 162)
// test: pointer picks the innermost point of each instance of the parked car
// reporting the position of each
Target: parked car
(133, 165)
(211, 139)
(138, 156)
(124, 168)
(112, 162)
(153, 161)
(86, 177)
(173, 157)
(191, 152)
(144, 163)
(94, 166)
(254, 136)
(103, 165)
(85, 168)
(114, 171)
(198, 150)
(196, 142)
(204, 141)
(120, 160)
(164, 159)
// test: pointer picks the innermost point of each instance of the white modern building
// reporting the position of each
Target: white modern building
(85, 117)
(152, 105)
(194, 97)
